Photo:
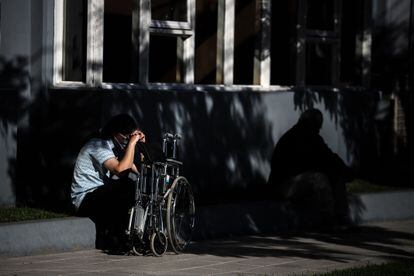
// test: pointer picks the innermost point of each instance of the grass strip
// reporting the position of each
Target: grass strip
(363, 186)
(26, 213)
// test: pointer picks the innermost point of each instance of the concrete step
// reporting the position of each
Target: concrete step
(33, 237)
(43, 236)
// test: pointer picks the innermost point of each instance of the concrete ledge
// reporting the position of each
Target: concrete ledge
(35, 237)
(265, 217)
(398, 205)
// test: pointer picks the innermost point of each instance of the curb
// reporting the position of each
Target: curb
(382, 206)
(36, 237)
(44, 236)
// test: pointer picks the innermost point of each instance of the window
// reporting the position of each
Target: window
(318, 42)
(78, 36)
(318, 55)
(244, 41)
(283, 47)
(167, 10)
(74, 41)
(205, 62)
(118, 59)
(108, 42)
(320, 15)
(164, 49)
(141, 42)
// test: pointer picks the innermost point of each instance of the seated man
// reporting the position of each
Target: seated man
(101, 187)
(305, 171)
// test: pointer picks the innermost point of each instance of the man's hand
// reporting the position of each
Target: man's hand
(137, 136)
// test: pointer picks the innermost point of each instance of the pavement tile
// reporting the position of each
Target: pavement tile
(253, 255)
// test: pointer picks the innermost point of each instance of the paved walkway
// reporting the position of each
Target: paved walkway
(252, 255)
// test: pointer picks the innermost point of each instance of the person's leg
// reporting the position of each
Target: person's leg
(307, 185)
(312, 192)
(108, 207)
(324, 199)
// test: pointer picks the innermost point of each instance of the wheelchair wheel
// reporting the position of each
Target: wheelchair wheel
(180, 214)
(158, 243)
(136, 250)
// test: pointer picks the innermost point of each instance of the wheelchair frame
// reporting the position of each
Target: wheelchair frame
(164, 209)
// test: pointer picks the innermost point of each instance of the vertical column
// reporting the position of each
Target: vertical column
(189, 45)
(225, 42)
(58, 41)
(336, 47)
(363, 44)
(94, 60)
(186, 46)
(135, 40)
(185, 54)
(262, 57)
(141, 18)
(301, 44)
(48, 42)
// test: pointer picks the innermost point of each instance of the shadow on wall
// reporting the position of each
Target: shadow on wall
(14, 81)
(226, 139)
(365, 117)
(226, 143)
(46, 130)
(60, 122)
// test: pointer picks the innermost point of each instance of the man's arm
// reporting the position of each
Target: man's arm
(334, 162)
(127, 162)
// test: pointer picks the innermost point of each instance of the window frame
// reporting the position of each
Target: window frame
(94, 45)
(330, 37)
(142, 27)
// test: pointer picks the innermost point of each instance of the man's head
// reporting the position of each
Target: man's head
(311, 119)
(122, 124)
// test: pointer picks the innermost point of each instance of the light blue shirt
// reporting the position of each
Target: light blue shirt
(89, 172)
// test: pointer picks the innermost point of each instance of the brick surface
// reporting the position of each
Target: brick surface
(249, 255)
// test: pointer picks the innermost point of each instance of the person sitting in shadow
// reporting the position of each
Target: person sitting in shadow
(305, 172)
(104, 176)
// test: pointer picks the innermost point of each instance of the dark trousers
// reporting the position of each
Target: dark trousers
(108, 208)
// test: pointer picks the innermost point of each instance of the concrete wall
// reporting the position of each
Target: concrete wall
(15, 22)
(227, 138)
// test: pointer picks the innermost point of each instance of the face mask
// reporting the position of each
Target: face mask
(123, 143)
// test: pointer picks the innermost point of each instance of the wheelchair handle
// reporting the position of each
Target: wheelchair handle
(168, 135)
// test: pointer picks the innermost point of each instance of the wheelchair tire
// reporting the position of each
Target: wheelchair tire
(158, 243)
(136, 251)
(180, 214)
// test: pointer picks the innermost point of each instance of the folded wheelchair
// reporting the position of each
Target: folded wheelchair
(163, 215)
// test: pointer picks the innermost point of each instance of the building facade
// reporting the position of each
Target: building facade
(229, 75)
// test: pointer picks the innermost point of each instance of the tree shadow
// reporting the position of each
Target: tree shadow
(364, 117)
(226, 139)
(220, 146)
(42, 132)
(340, 247)
(14, 82)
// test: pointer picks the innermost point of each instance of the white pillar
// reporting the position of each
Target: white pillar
(225, 42)
(94, 56)
(262, 57)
